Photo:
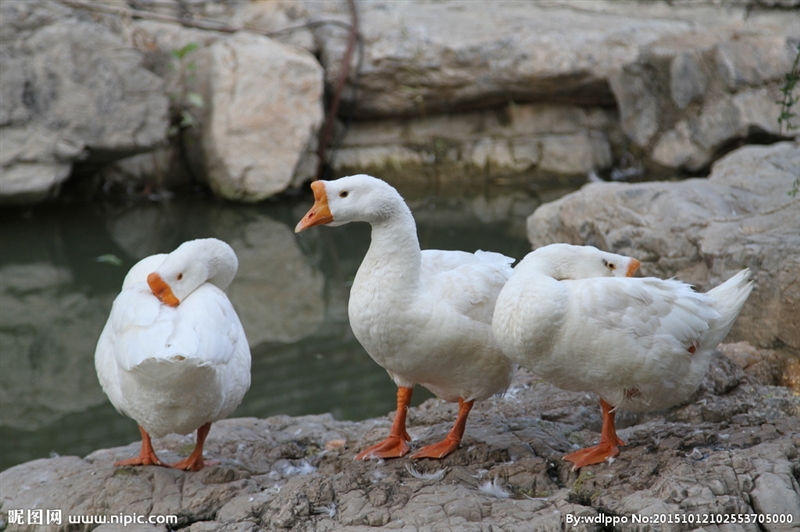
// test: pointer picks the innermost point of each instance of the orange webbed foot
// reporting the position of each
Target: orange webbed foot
(437, 450)
(593, 455)
(395, 445)
(193, 464)
(453, 438)
(147, 456)
(141, 460)
(607, 448)
(391, 447)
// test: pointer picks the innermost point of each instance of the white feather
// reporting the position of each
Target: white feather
(175, 369)
(642, 343)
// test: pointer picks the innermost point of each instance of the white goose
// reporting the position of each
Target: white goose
(173, 355)
(424, 316)
(641, 343)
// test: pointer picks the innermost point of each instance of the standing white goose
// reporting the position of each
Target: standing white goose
(424, 316)
(173, 355)
(641, 343)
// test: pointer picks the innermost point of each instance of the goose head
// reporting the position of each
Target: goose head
(193, 263)
(356, 198)
(567, 261)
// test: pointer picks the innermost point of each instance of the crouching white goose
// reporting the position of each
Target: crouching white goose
(639, 343)
(173, 355)
(424, 316)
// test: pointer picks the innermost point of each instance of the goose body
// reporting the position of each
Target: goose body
(173, 354)
(424, 316)
(640, 343)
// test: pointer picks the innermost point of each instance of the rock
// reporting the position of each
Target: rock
(702, 231)
(72, 92)
(276, 17)
(656, 64)
(484, 56)
(537, 141)
(765, 366)
(677, 85)
(262, 107)
(687, 97)
(280, 473)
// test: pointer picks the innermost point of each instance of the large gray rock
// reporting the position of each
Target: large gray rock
(483, 55)
(538, 141)
(687, 97)
(71, 91)
(258, 124)
(687, 80)
(416, 64)
(702, 231)
(732, 450)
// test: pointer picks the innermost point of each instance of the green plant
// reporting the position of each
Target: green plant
(788, 100)
(185, 100)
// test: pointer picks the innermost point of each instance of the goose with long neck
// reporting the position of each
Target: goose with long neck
(173, 355)
(640, 343)
(424, 316)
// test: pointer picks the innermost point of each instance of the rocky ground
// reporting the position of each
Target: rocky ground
(732, 449)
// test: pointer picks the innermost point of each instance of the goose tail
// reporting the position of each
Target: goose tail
(729, 298)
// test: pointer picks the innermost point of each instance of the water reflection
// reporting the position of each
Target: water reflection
(291, 293)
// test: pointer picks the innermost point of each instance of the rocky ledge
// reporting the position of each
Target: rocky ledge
(732, 450)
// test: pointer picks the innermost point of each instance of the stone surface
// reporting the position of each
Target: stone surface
(733, 449)
(677, 85)
(563, 51)
(72, 91)
(688, 80)
(414, 64)
(765, 366)
(702, 231)
(258, 125)
(688, 97)
(540, 142)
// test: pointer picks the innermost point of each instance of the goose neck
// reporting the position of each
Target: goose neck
(395, 247)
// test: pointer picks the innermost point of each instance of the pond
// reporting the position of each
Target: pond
(62, 265)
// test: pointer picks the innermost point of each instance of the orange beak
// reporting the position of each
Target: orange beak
(319, 214)
(162, 290)
(632, 267)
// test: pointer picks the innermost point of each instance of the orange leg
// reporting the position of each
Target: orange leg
(195, 460)
(607, 448)
(453, 439)
(395, 445)
(147, 456)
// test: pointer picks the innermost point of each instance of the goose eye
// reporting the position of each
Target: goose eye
(609, 265)
(343, 194)
(180, 276)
